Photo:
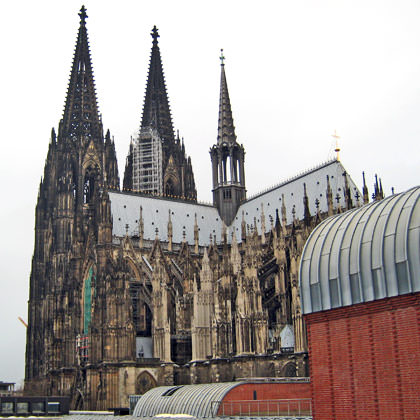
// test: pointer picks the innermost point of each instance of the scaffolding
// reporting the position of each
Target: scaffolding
(147, 162)
(82, 348)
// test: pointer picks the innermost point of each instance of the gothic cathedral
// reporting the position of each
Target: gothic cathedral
(145, 286)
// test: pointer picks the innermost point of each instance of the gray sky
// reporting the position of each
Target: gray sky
(296, 70)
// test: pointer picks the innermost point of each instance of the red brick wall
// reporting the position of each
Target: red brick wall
(270, 391)
(365, 360)
(292, 391)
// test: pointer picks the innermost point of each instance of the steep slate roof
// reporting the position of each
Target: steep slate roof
(196, 400)
(126, 207)
(362, 255)
(316, 187)
(125, 210)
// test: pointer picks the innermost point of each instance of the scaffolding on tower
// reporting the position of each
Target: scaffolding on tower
(147, 162)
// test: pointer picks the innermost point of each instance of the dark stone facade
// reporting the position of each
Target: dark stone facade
(112, 316)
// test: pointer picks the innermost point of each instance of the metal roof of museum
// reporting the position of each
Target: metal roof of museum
(125, 208)
(365, 254)
(110, 416)
(200, 400)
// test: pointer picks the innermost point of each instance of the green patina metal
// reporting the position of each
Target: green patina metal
(87, 312)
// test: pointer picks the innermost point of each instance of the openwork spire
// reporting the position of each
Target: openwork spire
(226, 129)
(228, 158)
(156, 111)
(81, 115)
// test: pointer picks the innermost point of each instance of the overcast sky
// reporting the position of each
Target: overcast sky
(296, 71)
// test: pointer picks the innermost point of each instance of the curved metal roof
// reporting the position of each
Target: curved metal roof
(362, 255)
(197, 400)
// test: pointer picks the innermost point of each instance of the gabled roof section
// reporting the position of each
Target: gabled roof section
(226, 129)
(81, 114)
(291, 192)
(125, 210)
(156, 111)
(126, 207)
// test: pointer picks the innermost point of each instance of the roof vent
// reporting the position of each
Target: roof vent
(171, 391)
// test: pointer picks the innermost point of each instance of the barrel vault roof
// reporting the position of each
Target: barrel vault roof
(366, 254)
(197, 400)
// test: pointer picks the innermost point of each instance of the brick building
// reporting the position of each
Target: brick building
(360, 284)
(256, 398)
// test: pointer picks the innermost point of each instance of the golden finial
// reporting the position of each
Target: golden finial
(337, 148)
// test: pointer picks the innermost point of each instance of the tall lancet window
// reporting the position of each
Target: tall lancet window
(89, 184)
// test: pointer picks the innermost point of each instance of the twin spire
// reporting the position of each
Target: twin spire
(81, 114)
(156, 110)
(82, 120)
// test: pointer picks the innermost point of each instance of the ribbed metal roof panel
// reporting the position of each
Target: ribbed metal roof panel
(365, 254)
(196, 400)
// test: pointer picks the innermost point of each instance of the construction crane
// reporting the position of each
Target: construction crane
(22, 321)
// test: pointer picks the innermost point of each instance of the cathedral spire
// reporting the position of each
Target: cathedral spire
(226, 129)
(170, 231)
(156, 111)
(347, 192)
(365, 190)
(169, 171)
(81, 115)
(329, 197)
(306, 211)
(228, 158)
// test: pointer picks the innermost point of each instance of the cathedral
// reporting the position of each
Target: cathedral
(143, 286)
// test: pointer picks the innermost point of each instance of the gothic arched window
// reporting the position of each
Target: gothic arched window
(169, 187)
(89, 185)
(289, 371)
(144, 382)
